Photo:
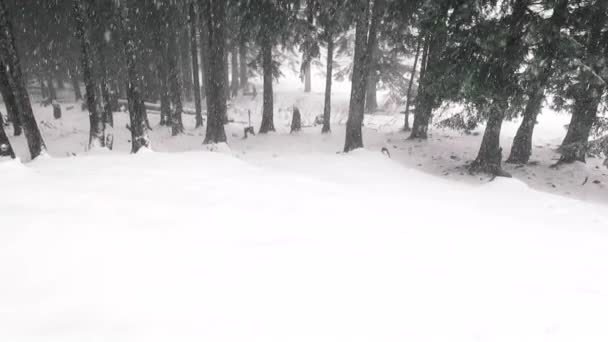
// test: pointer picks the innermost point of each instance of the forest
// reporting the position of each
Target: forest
(303, 170)
(499, 60)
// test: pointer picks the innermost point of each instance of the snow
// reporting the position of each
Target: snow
(203, 246)
(280, 238)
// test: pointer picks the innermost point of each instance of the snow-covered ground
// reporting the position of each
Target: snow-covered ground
(280, 238)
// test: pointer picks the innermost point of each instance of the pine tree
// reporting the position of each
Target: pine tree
(195, 67)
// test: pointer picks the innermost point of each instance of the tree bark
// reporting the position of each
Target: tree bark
(363, 44)
(328, 80)
(234, 56)
(216, 100)
(226, 77)
(195, 68)
(406, 123)
(186, 60)
(6, 149)
(173, 77)
(204, 40)
(243, 63)
(489, 158)
(296, 120)
(268, 102)
(371, 99)
(10, 102)
(97, 125)
(10, 58)
(137, 109)
(584, 114)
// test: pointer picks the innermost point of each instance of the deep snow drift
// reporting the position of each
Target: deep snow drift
(203, 246)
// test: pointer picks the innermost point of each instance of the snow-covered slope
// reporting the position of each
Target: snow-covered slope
(203, 246)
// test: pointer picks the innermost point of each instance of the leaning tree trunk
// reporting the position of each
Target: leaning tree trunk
(195, 68)
(82, 13)
(10, 58)
(234, 56)
(584, 114)
(521, 149)
(406, 123)
(267, 110)
(216, 101)
(6, 150)
(9, 101)
(243, 63)
(328, 79)
(137, 109)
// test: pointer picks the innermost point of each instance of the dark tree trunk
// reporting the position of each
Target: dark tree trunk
(10, 102)
(489, 158)
(216, 87)
(195, 68)
(75, 83)
(310, 19)
(137, 109)
(104, 83)
(371, 99)
(234, 56)
(424, 99)
(243, 63)
(584, 114)
(51, 87)
(6, 150)
(82, 13)
(43, 91)
(174, 80)
(364, 30)
(204, 40)
(406, 123)
(522, 143)
(226, 77)
(268, 102)
(296, 120)
(186, 61)
(328, 79)
(165, 99)
(10, 60)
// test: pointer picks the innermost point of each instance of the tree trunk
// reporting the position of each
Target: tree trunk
(328, 79)
(234, 55)
(489, 157)
(137, 109)
(522, 143)
(424, 99)
(216, 87)
(43, 91)
(186, 61)
(10, 102)
(584, 114)
(267, 110)
(75, 83)
(10, 58)
(6, 150)
(195, 68)
(310, 19)
(371, 99)
(204, 40)
(173, 77)
(406, 124)
(296, 120)
(226, 77)
(243, 63)
(363, 45)
(97, 125)
(51, 87)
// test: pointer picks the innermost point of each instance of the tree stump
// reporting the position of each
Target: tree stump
(56, 110)
(296, 120)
